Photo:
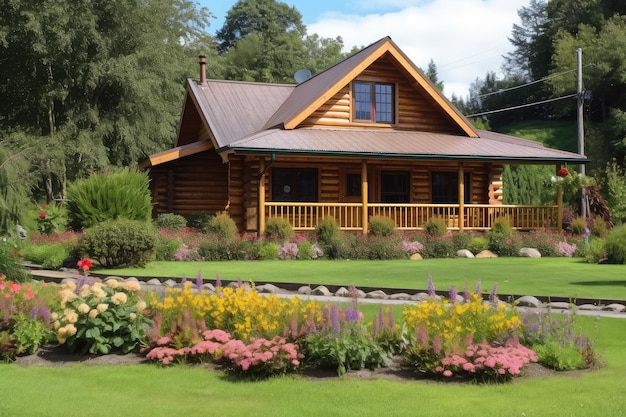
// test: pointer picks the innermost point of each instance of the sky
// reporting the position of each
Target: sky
(464, 38)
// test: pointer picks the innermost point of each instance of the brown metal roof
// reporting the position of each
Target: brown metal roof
(234, 109)
(402, 144)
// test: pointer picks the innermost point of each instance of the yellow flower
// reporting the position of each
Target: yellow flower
(102, 307)
(133, 316)
(83, 308)
(71, 329)
(93, 314)
(70, 316)
(112, 283)
(141, 305)
(119, 298)
(131, 286)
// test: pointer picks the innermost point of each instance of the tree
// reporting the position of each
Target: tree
(94, 83)
(431, 73)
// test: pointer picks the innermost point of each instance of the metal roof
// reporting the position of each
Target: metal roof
(401, 144)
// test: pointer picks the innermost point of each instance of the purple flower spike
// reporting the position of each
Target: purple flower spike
(183, 281)
(352, 315)
(218, 281)
(334, 318)
(453, 294)
(493, 295)
(477, 291)
(466, 293)
(199, 281)
(431, 286)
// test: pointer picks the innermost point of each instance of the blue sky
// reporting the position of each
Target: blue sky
(465, 38)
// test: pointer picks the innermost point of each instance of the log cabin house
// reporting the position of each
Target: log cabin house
(370, 136)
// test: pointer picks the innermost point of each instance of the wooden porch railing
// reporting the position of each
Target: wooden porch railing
(306, 216)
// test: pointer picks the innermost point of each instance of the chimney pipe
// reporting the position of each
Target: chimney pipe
(202, 69)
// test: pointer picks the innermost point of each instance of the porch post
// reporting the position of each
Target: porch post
(461, 197)
(559, 204)
(261, 197)
(364, 197)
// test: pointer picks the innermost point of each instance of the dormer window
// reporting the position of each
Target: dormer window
(373, 102)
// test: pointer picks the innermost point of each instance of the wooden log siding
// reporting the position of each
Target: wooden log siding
(414, 110)
(196, 184)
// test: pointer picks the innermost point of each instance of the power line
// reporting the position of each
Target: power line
(532, 82)
(522, 106)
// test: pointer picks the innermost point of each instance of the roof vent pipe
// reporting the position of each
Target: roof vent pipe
(202, 69)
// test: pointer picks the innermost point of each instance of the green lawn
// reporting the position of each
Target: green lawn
(147, 390)
(565, 277)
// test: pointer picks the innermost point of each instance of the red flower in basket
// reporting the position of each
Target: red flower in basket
(563, 172)
(84, 264)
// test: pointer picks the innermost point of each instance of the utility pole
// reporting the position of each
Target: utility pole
(581, 131)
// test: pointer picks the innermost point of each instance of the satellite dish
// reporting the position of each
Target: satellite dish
(302, 75)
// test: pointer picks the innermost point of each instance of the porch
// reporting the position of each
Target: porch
(460, 217)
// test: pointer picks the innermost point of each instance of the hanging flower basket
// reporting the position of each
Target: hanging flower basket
(563, 172)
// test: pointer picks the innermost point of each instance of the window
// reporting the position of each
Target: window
(373, 102)
(294, 184)
(445, 187)
(395, 187)
(353, 185)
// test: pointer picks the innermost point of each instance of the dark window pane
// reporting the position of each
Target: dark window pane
(445, 187)
(353, 185)
(294, 184)
(395, 187)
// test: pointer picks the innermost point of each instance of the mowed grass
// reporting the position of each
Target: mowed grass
(148, 390)
(562, 277)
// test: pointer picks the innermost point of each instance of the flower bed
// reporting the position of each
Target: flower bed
(253, 335)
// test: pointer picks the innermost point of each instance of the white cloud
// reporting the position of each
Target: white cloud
(465, 38)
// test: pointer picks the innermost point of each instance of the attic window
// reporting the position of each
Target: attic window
(373, 102)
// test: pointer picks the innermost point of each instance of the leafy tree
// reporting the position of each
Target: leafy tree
(431, 73)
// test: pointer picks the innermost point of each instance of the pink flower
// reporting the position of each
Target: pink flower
(447, 373)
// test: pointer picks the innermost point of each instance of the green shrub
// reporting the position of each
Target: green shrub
(578, 226)
(278, 229)
(595, 250)
(327, 231)
(502, 226)
(223, 226)
(165, 248)
(268, 250)
(380, 247)
(51, 218)
(435, 226)
(9, 265)
(478, 244)
(599, 228)
(305, 250)
(503, 244)
(49, 255)
(347, 246)
(30, 334)
(440, 246)
(170, 221)
(461, 240)
(545, 241)
(199, 221)
(615, 245)
(102, 197)
(120, 242)
(382, 226)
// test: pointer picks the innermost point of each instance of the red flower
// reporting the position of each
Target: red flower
(563, 172)
(42, 215)
(44, 206)
(84, 264)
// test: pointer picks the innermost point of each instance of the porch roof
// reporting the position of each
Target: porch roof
(400, 144)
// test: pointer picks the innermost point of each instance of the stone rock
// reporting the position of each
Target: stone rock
(343, 292)
(209, 287)
(614, 307)
(378, 295)
(304, 290)
(486, 254)
(529, 253)
(416, 257)
(464, 253)
(400, 296)
(360, 293)
(119, 279)
(590, 307)
(561, 305)
(170, 283)
(420, 296)
(321, 290)
(154, 281)
(528, 301)
(269, 289)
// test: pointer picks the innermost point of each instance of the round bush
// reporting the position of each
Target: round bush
(223, 226)
(268, 250)
(578, 226)
(478, 244)
(165, 248)
(435, 226)
(327, 231)
(199, 221)
(461, 240)
(120, 242)
(615, 245)
(382, 226)
(170, 221)
(278, 229)
(501, 226)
